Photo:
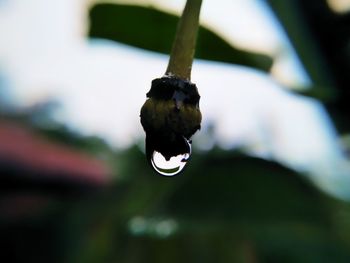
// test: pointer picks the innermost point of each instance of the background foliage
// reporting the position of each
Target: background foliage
(227, 207)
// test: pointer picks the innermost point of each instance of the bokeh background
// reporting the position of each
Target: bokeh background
(269, 177)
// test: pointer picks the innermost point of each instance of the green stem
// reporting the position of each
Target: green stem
(181, 57)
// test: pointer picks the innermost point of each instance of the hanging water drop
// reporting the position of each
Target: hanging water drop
(170, 166)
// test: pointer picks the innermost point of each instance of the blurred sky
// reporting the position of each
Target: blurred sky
(101, 85)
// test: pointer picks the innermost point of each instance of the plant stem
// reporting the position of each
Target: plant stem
(181, 57)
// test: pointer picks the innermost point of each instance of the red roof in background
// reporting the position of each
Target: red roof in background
(23, 146)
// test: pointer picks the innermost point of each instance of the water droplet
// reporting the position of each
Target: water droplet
(172, 166)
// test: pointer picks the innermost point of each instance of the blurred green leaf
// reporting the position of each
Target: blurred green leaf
(296, 27)
(323, 94)
(225, 186)
(155, 30)
(320, 38)
(228, 208)
(243, 188)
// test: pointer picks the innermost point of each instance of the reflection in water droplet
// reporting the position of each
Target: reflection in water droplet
(171, 167)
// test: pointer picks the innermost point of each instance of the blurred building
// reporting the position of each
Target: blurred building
(33, 167)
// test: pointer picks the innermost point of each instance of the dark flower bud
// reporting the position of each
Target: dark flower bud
(170, 116)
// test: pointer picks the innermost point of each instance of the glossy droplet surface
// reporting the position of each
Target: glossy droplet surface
(170, 167)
